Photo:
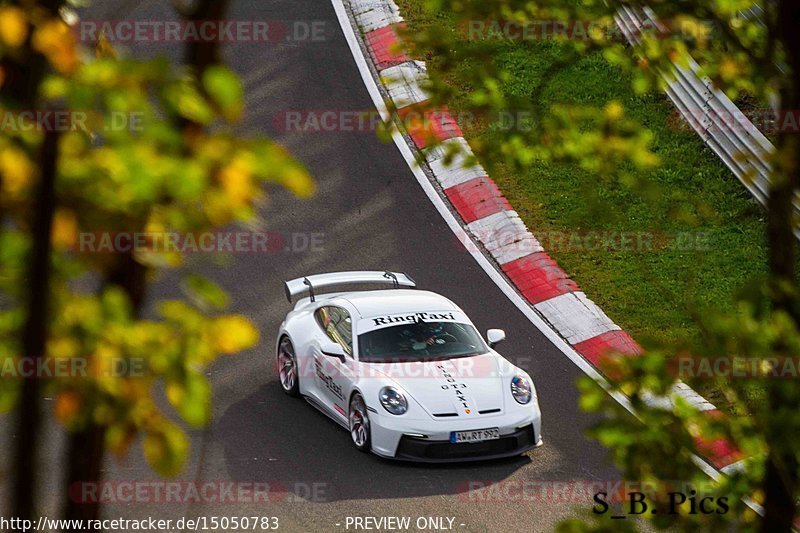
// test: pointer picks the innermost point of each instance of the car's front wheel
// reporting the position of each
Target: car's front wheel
(287, 368)
(359, 423)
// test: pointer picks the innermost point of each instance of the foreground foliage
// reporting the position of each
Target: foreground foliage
(149, 147)
(758, 59)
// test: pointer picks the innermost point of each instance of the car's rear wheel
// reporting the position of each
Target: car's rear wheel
(359, 423)
(287, 368)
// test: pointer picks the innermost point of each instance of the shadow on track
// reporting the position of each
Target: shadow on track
(298, 447)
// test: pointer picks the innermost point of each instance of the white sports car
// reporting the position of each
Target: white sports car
(404, 370)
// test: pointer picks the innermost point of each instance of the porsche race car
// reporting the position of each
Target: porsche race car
(404, 370)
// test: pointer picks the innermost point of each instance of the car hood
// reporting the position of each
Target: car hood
(450, 388)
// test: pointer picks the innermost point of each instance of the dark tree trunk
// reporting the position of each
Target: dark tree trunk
(85, 453)
(22, 79)
(35, 333)
(781, 478)
(202, 54)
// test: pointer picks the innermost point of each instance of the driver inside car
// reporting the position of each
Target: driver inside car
(423, 334)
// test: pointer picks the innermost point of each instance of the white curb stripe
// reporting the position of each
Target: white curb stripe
(576, 317)
(735, 468)
(684, 391)
(692, 397)
(374, 14)
(526, 246)
(458, 145)
(455, 172)
(451, 175)
(403, 82)
(362, 6)
(505, 236)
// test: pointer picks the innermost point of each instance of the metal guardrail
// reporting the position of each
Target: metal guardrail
(719, 123)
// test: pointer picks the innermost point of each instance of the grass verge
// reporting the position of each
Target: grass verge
(654, 294)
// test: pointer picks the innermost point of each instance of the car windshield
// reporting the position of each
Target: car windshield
(420, 341)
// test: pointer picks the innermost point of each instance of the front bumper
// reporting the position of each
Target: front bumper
(438, 451)
(429, 441)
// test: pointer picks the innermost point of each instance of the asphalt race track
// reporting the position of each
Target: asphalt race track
(369, 213)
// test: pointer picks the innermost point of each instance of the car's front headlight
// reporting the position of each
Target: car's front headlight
(393, 401)
(521, 389)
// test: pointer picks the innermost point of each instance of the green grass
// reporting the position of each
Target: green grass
(652, 295)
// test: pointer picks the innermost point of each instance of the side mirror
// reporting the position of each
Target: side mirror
(333, 349)
(495, 337)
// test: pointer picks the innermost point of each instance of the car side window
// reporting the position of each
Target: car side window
(337, 324)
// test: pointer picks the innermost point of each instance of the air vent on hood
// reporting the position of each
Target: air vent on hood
(444, 415)
(489, 411)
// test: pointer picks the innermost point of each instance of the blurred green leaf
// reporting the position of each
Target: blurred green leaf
(225, 89)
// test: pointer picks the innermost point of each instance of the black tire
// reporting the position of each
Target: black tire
(358, 422)
(288, 373)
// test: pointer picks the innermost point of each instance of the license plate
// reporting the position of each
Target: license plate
(476, 435)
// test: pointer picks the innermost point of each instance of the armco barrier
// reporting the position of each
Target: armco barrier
(715, 118)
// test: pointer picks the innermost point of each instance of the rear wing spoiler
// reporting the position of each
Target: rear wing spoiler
(309, 284)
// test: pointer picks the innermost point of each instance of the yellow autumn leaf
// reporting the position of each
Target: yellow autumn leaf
(13, 26)
(16, 169)
(217, 209)
(155, 225)
(695, 29)
(614, 110)
(236, 180)
(628, 389)
(65, 229)
(104, 48)
(234, 333)
(214, 148)
(111, 162)
(119, 438)
(299, 182)
(175, 392)
(63, 346)
(165, 449)
(728, 69)
(106, 361)
(55, 41)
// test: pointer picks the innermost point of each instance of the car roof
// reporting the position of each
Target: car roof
(392, 301)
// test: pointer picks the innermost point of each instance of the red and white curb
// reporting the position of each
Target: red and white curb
(489, 218)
